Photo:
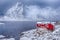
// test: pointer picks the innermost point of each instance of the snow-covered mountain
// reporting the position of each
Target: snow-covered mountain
(15, 13)
(22, 12)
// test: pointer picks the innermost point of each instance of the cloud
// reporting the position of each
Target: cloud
(52, 3)
(47, 13)
(31, 13)
(6, 1)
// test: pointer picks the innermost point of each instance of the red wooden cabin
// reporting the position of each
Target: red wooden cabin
(48, 26)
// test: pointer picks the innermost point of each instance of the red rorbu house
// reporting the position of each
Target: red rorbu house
(48, 26)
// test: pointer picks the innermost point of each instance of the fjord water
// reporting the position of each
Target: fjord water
(15, 27)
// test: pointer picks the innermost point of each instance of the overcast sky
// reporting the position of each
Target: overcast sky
(53, 3)
(5, 4)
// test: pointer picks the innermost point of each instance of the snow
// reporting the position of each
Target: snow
(8, 39)
(2, 38)
(48, 35)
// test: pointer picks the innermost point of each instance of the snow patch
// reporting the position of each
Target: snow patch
(31, 35)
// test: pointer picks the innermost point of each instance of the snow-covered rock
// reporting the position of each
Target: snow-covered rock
(3, 38)
(7, 39)
(32, 35)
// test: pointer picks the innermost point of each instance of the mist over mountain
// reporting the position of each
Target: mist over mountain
(33, 10)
